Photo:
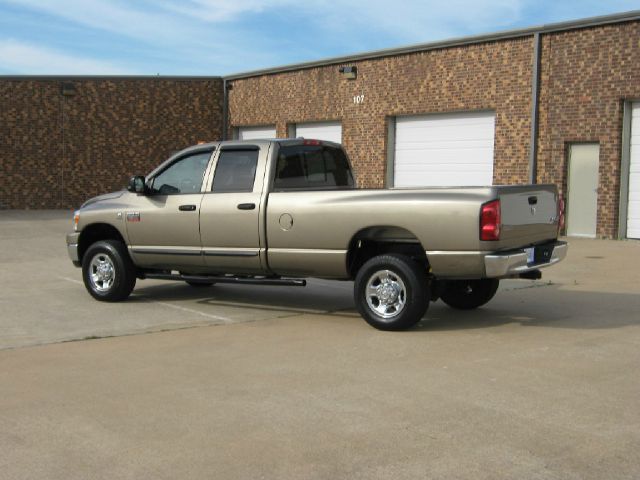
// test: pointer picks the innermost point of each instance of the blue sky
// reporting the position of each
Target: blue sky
(218, 37)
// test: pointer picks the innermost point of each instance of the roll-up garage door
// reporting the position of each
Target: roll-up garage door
(452, 149)
(633, 208)
(255, 133)
(330, 131)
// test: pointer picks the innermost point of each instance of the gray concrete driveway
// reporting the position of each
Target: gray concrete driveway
(542, 383)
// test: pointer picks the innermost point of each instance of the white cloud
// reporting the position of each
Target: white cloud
(26, 58)
(222, 36)
(112, 16)
(417, 20)
(217, 11)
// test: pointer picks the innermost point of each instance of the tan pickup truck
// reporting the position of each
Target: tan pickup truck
(276, 211)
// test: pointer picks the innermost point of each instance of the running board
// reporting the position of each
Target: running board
(282, 282)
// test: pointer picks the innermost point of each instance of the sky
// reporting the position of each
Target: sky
(221, 37)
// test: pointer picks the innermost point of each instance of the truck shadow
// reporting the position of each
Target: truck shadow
(325, 297)
(549, 305)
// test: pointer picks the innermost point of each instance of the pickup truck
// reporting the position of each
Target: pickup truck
(274, 212)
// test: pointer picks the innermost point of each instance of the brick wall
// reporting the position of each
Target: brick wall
(57, 151)
(586, 76)
(495, 76)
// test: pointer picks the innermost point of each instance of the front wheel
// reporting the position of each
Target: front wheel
(391, 292)
(469, 294)
(107, 271)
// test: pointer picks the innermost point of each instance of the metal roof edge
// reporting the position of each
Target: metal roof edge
(452, 42)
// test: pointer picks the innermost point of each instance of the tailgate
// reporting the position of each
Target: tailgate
(529, 215)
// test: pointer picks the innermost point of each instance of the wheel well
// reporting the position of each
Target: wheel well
(374, 241)
(94, 233)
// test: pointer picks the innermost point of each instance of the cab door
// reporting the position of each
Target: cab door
(163, 226)
(232, 212)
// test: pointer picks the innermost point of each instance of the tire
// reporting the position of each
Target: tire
(469, 294)
(403, 303)
(108, 272)
(199, 284)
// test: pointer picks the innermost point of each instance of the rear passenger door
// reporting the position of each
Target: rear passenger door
(305, 198)
(230, 213)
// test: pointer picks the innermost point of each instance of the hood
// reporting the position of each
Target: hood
(100, 198)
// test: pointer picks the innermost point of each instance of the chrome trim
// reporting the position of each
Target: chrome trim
(72, 250)
(72, 246)
(306, 250)
(230, 252)
(504, 265)
(166, 251)
(197, 251)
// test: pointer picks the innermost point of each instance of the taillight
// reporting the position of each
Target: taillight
(311, 142)
(560, 213)
(490, 221)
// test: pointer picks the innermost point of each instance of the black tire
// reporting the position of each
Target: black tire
(415, 293)
(199, 284)
(112, 287)
(469, 294)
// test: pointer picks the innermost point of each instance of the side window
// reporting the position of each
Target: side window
(236, 171)
(183, 176)
(311, 167)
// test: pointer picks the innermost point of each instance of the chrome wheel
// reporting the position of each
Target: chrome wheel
(386, 294)
(102, 272)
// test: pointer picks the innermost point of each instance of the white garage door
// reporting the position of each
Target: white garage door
(255, 133)
(330, 131)
(633, 209)
(453, 149)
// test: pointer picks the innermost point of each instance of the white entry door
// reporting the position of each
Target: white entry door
(582, 199)
(633, 208)
(452, 149)
(330, 131)
(256, 133)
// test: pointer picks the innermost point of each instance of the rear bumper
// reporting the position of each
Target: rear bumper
(481, 264)
(72, 248)
(515, 263)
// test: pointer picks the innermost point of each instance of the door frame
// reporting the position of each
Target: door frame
(625, 166)
(568, 146)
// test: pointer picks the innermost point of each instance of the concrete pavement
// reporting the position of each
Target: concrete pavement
(542, 383)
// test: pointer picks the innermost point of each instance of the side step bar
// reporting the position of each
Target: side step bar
(275, 281)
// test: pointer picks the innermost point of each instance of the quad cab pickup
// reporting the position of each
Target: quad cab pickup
(276, 211)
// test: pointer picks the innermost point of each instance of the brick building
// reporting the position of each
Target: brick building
(547, 104)
(65, 139)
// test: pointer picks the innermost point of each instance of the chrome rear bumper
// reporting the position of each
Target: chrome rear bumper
(515, 263)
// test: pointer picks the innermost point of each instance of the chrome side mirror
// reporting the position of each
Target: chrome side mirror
(137, 185)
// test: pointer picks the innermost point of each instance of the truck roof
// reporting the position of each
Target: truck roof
(259, 142)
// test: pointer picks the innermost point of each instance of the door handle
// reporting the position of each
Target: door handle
(246, 206)
(187, 208)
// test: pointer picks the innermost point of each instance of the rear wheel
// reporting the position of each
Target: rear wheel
(469, 294)
(391, 292)
(108, 272)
